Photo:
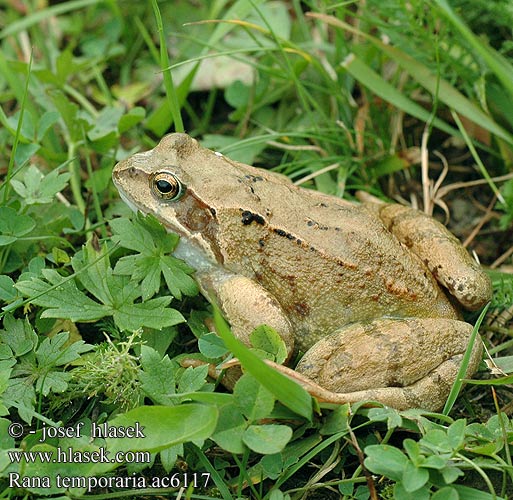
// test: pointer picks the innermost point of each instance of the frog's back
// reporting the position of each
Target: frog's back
(328, 262)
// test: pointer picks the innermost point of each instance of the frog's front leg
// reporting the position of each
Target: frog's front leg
(440, 250)
(409, 363)
(245, 304)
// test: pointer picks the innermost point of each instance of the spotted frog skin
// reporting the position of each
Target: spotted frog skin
(370, 293)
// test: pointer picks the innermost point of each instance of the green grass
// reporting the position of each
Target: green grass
(96, 313)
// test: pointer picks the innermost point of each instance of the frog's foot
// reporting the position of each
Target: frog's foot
(410, 363)
(440, 250)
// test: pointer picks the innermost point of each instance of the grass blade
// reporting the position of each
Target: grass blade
(458, 383)
(373, 81)
(423, 75)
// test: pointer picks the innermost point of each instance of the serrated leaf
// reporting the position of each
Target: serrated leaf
(53, 352)
(20, 393)
(64, 301)
(157, 376)
(62, 298)
(193, 379)
(39, 189)
(52, 382)
(18, 335)
(146, 236)
(153, 313)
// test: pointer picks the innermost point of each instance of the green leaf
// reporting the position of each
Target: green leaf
(252, 398)
(412, 448)
(400, 493)
(52, 381)
(337, 420)
(21, 394)
(268, 339)
(165, 426)
(392, 417)
(18, 335)
(13, 225)
(456, 433)
(148, 237)
(230, 429)
(192, 379)
(62, 298)
(169, 456)
(130, 119)
(451, 473)
(54, 352)
(447, 493)
(212, 346)
(468, 493)
(386, 460)
(157, 376)
(414, 477)
(267, 439)
(106, 122)
(435, 462)
(153, 313)
(45, 122)
(7, 240)
(38, 189)
(286, 391)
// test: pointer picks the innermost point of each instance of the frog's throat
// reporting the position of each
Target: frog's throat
(194, 256)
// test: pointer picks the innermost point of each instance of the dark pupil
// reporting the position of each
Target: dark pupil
(164, 187)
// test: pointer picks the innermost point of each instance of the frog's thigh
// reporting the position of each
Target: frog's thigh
(247, 305)
(441, 251)
(401, 363)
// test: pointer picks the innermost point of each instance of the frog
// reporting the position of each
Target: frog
(371, 294)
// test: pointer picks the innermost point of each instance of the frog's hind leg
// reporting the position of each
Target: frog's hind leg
(440, 250)
(410, 363)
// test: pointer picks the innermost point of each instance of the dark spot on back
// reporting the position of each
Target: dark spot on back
(281, 232)
(301, 309)
(249, 217)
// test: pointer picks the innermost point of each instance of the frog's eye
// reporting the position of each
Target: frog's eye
(166, 186)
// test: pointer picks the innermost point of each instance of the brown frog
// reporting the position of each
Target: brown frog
(370, 293)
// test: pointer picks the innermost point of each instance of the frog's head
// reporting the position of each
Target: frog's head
(184, 185)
